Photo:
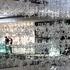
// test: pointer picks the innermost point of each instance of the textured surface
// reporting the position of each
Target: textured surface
(53, 8)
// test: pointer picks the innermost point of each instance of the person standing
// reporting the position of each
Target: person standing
(10, 44)
(6, 44)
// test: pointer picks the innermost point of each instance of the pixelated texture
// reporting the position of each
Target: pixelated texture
(22, 34)
(41, 45)
(39, 8)
(54, 33)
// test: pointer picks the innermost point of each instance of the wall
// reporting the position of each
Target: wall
(22, 33)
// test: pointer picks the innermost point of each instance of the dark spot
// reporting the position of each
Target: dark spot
(63, 31)
(36, 24)
(62, 38)
(68, 37)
